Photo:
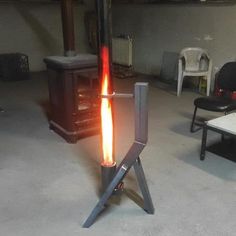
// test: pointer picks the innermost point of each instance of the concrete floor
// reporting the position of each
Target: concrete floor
(48, 187)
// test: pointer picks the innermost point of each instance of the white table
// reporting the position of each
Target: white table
(225, 125)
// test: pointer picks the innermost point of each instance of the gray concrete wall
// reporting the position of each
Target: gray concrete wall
(35, 29)
(159, 28)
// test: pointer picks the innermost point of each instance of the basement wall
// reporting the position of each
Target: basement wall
(159, 28)
(35, 29)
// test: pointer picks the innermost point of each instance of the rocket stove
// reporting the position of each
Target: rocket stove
(112, 176)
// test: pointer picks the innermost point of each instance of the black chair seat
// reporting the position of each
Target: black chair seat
(217, 104)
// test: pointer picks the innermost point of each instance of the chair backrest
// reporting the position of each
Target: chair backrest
(195, 59)
(227, 77)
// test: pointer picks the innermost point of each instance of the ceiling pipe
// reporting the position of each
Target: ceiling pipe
(67, 15)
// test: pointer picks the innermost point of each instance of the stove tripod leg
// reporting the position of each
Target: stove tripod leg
(106, 195)
(148, 205)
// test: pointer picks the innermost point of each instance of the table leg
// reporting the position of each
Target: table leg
(204, 139)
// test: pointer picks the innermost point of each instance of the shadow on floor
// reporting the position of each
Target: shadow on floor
(213, 164)
(225, 149)
(184, 127)
(88, 154)
(200, 117)
(45, 105)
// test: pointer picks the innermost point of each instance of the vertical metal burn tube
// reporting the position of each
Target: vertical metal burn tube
(68, 27)
(108, 164)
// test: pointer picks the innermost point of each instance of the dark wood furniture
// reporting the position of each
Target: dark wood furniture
(73, 93)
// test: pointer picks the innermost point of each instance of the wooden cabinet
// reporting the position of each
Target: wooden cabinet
(73, 93)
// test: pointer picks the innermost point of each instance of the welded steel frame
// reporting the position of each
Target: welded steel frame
(132, 158)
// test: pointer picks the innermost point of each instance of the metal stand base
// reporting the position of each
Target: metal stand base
(131, 159)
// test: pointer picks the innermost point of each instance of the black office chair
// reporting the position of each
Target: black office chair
(226, 83)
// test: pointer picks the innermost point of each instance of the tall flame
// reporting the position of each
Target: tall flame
(106, 111)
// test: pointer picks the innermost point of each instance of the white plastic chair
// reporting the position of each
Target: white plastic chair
(194, 62)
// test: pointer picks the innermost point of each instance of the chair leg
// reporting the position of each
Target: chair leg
(208, 77)
(203, 146)
(180, 84)
(180, 77)
(192, 128)
(193, 120)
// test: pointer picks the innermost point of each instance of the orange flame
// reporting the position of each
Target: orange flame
(106, 112)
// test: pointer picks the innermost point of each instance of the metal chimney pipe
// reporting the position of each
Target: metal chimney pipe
(104, 62)
(104, 33)
(68, 27)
